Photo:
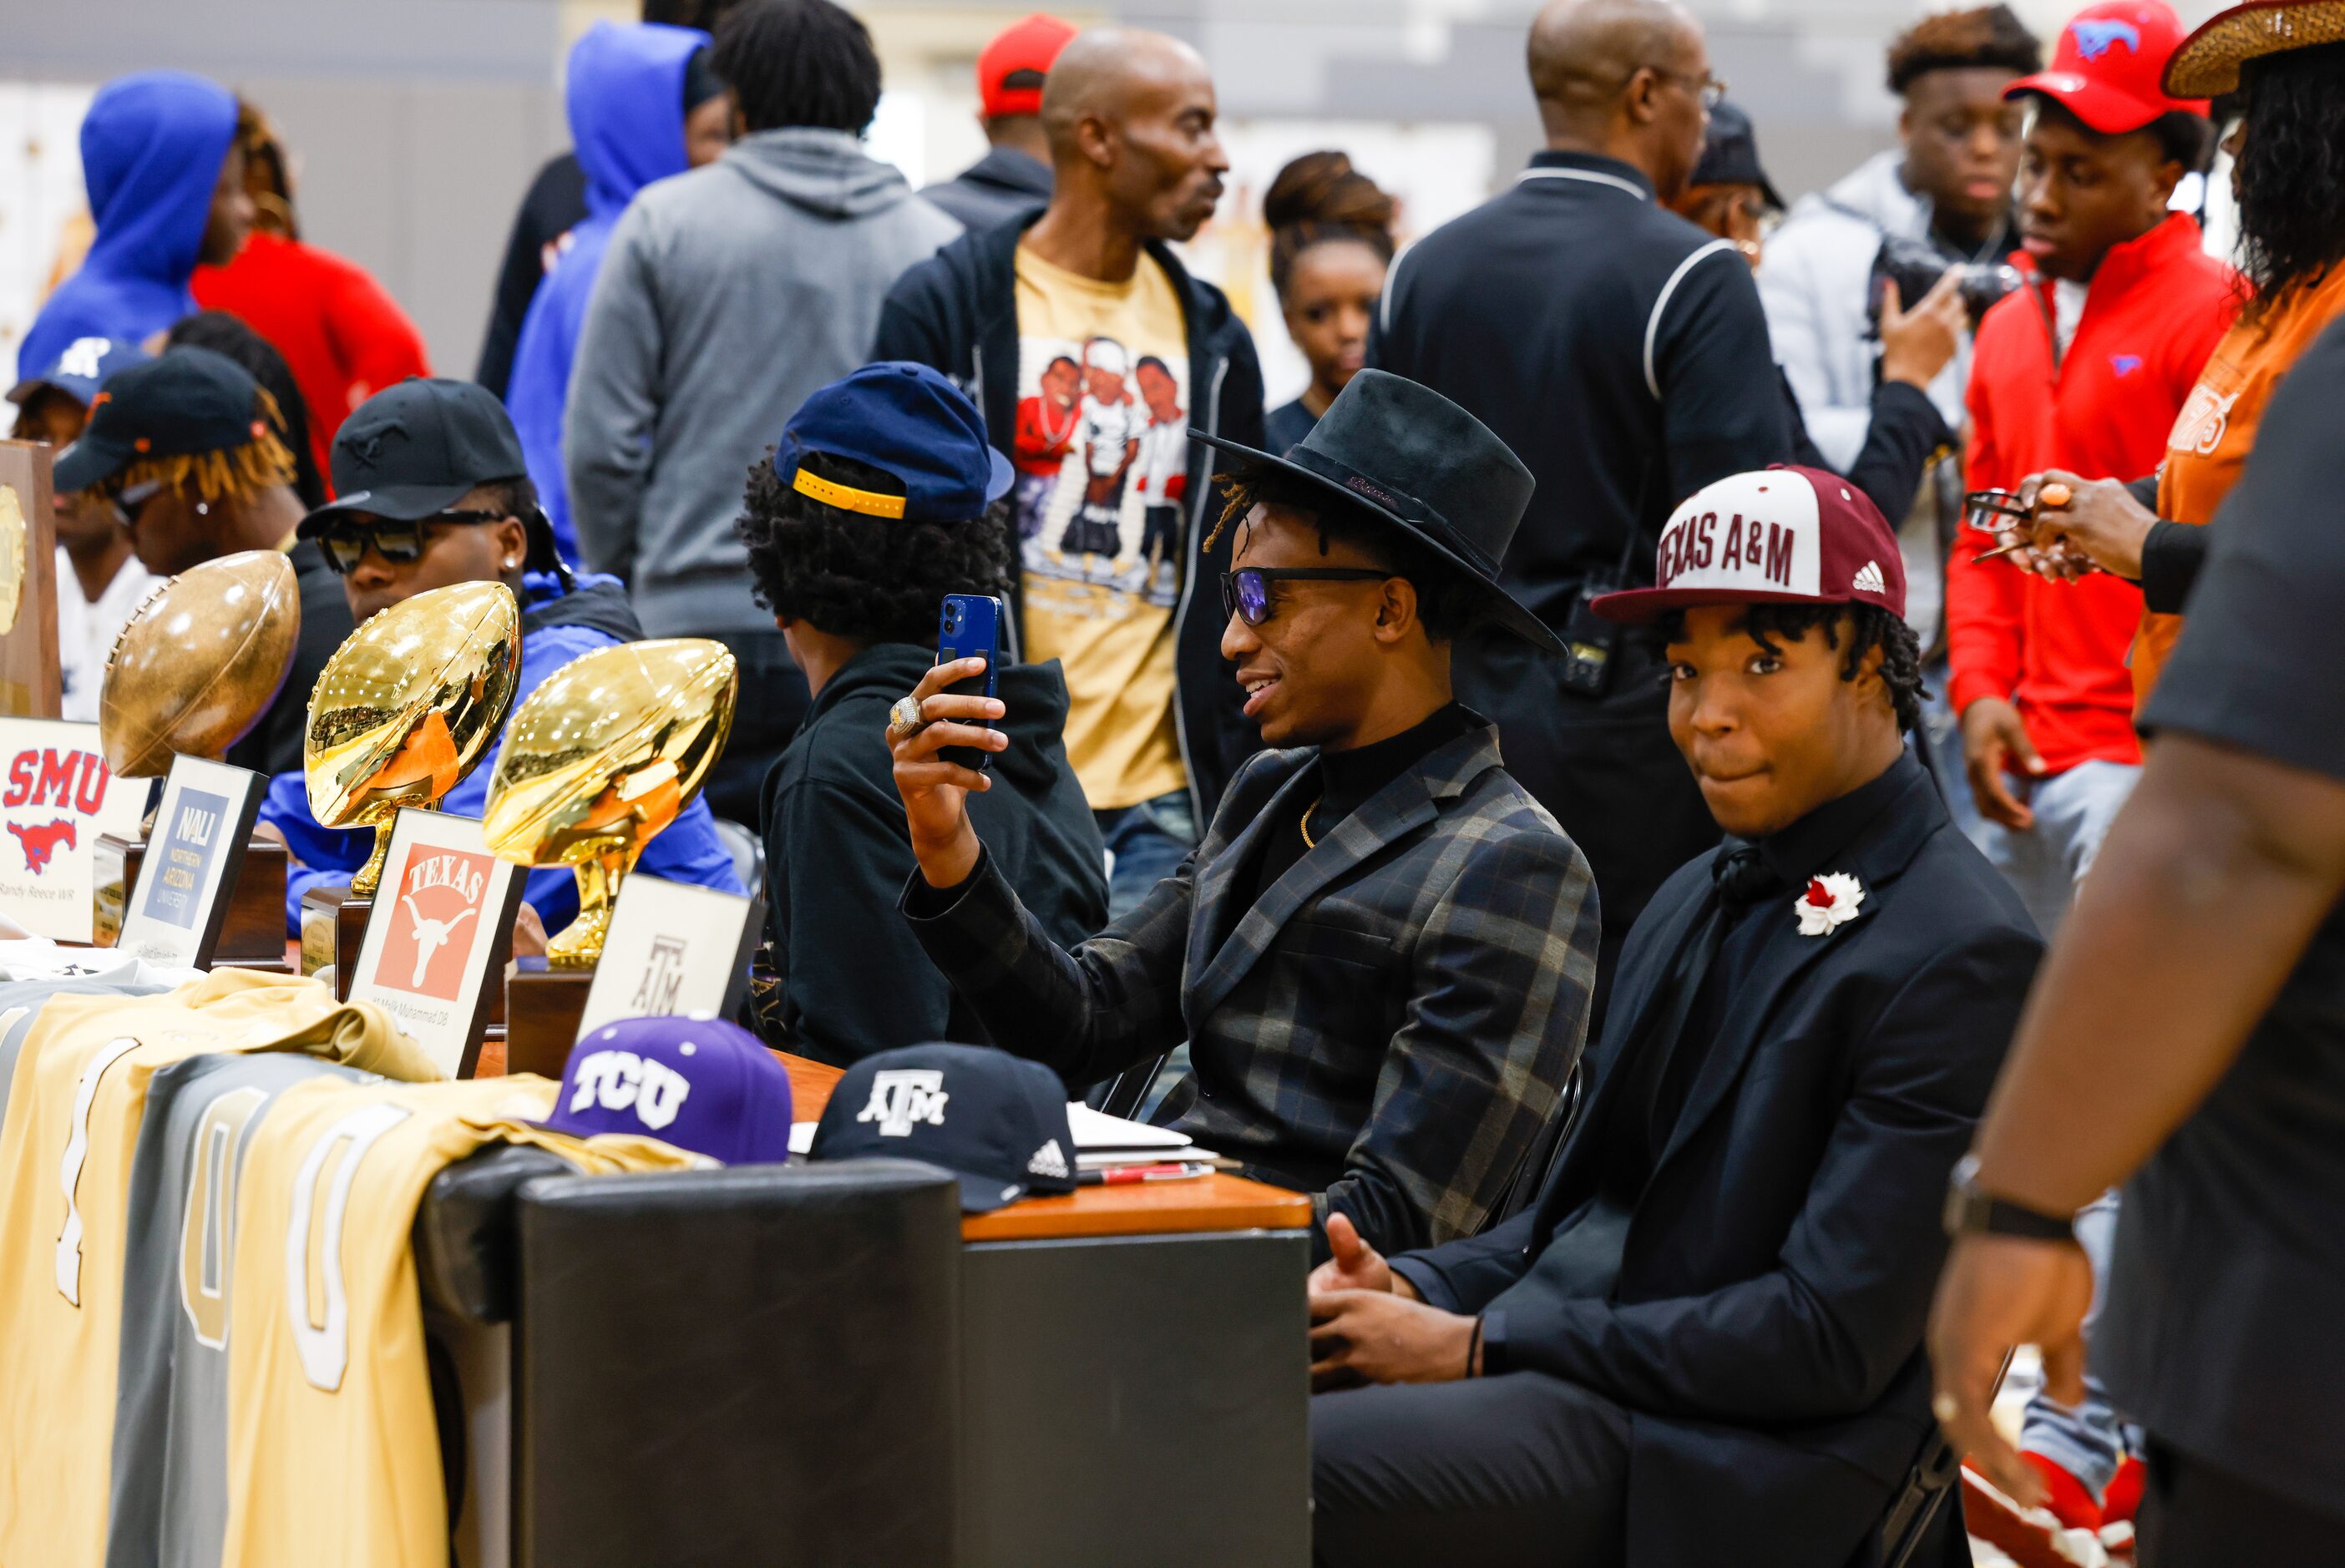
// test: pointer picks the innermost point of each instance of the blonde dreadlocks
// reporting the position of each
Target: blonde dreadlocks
(228, 473)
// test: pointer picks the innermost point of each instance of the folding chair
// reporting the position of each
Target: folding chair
(1936, 1472)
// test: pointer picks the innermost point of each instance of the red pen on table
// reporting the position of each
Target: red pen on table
(1134, 1175)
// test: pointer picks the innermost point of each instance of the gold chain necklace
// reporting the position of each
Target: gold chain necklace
(1309, 842)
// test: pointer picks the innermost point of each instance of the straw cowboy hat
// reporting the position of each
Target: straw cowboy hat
(2209, 61)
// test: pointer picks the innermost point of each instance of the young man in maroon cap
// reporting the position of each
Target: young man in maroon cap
(2084, 370)
(1706, 1331)
(1014, 177)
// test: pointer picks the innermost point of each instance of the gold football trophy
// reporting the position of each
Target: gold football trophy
(404, 709)
(194, 670)
(601, 757)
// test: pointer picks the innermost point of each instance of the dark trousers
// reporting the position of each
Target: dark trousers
(2194, 1516)
(1604, 767)
(1520, 1469)
(772, 702)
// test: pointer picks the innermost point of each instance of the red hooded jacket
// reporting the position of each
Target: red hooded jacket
(343, 335)
(2152, 312)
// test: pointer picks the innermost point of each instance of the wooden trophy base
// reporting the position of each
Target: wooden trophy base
(253, 935)
(543, 1006)
(333, 924)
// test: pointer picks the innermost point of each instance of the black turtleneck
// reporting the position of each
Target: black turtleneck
(1347, 781)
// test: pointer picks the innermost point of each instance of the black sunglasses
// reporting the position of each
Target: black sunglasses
(1246, 592)
(400, 544)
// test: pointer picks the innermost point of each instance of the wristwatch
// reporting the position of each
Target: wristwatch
(1971, 1210)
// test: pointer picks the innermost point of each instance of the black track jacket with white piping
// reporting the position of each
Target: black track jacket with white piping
(958, 312)
(1618, 350)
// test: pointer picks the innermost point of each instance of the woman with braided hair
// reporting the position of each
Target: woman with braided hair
(1330, 241)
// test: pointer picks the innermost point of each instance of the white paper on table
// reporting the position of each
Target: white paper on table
(1095, 1129)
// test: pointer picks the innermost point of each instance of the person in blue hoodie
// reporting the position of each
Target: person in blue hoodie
(166, 186)
(448, 503)
(638, 93)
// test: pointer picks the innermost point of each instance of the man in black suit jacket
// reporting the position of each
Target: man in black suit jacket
(1702, 1343)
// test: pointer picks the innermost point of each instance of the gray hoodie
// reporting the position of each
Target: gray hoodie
(728, 295)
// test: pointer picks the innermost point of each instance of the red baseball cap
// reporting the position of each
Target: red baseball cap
(1022, 47)
(2109, 67)
(1781, 535)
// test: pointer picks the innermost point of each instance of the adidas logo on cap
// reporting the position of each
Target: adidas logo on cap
(1048, 1160)
(1868, 579)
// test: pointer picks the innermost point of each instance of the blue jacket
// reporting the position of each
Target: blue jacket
(626, 118)
(151, 147)
(556, 627)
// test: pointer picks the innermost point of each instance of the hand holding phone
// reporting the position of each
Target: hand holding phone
(969, 626)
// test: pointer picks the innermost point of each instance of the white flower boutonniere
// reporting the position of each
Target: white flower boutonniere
(1829, 902)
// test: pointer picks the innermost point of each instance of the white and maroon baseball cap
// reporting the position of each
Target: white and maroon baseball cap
(1781, 535)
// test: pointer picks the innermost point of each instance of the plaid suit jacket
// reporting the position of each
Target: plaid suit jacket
(1387, 1028)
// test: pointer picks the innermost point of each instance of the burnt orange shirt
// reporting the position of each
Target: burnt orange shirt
(2217, 430)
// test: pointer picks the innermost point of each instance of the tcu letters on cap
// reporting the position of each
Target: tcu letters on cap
(1783, 535)
(703, 1084)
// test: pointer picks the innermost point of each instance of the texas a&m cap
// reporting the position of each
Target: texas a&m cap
(1781, 535)
(997, 1121)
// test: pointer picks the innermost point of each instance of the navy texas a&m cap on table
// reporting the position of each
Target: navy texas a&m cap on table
(1781, 535)
(997, 1121)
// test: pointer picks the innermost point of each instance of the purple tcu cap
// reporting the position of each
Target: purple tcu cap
(701, 1084)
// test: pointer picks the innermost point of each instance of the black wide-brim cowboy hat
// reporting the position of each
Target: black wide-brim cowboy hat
(1408, 458)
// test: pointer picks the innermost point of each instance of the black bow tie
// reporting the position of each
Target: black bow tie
(1742, 877)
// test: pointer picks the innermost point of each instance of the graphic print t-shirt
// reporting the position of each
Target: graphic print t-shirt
(1102, 454)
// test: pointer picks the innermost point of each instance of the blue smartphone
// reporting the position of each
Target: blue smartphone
(969, 627)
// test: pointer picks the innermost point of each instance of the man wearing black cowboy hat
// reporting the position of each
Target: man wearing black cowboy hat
(1382, 954)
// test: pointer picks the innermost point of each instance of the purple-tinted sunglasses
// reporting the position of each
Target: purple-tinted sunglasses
(1246, 592)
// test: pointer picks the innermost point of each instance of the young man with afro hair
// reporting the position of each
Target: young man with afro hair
(882, 498)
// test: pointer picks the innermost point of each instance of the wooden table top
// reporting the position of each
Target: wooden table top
(1216, 1202)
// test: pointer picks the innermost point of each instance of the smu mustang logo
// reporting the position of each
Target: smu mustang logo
(40, 842)
(2096, 38)
(902, 1096)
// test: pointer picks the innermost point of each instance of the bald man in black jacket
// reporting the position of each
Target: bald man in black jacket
(1622, 351)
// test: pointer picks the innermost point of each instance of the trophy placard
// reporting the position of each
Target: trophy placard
(179, 902)
(435, 943)
(193, 671)
(673, 949)
(57, 797)
(405, 708)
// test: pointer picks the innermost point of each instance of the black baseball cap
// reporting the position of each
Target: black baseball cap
(997, 1121)
(414, 449)
(179, 403)
(1730, 154)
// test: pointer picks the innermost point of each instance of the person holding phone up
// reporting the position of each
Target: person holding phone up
(1382, 953)
(882, 499)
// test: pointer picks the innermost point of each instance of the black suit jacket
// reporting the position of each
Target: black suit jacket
(1765, 1330)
